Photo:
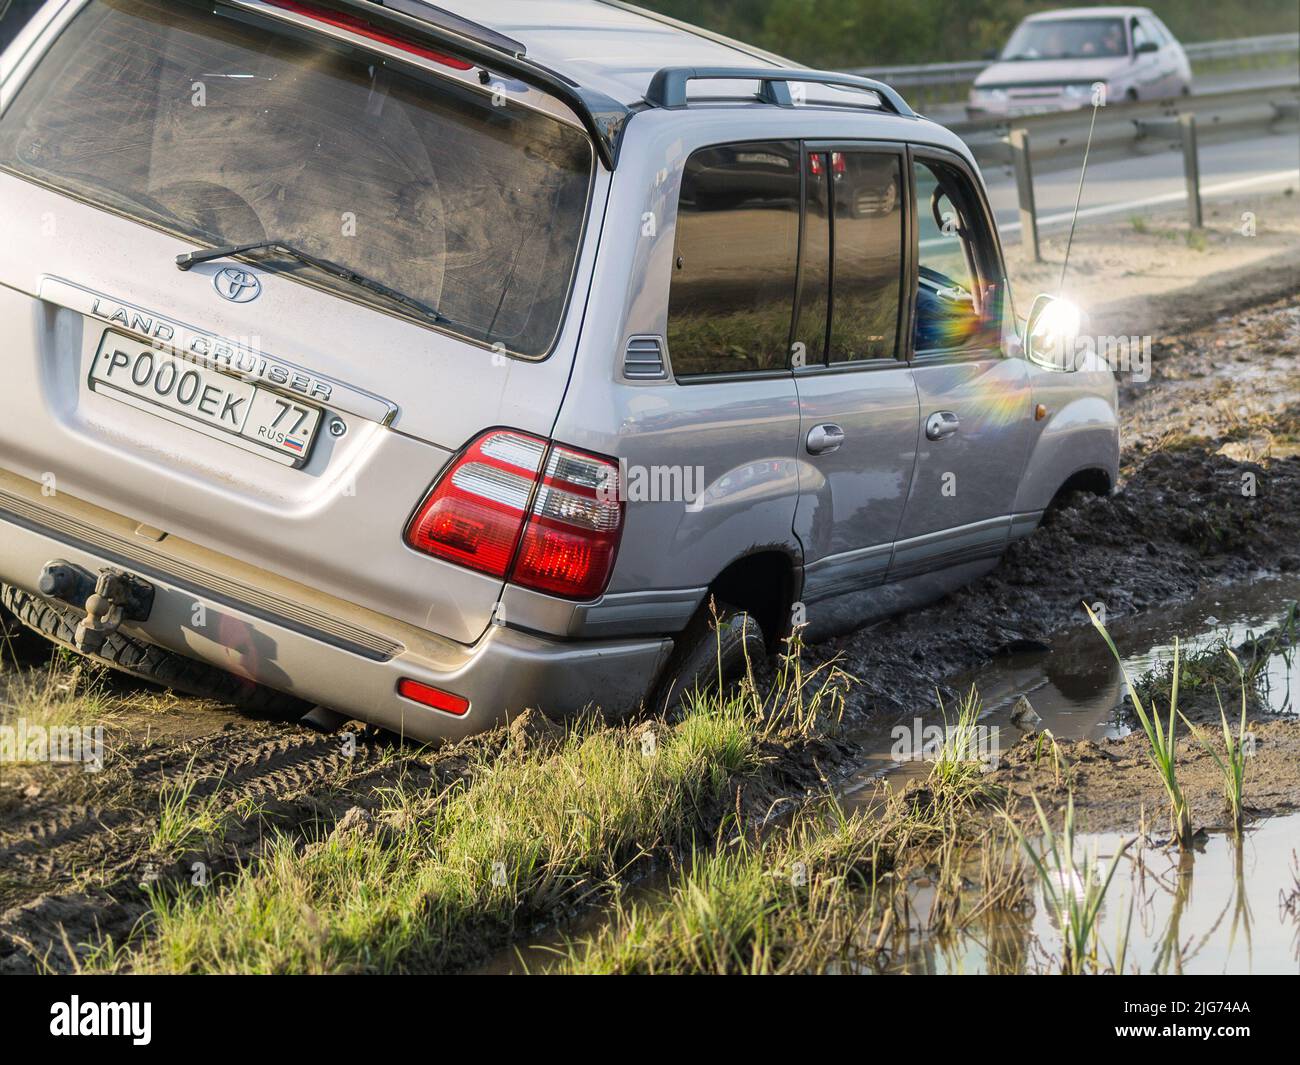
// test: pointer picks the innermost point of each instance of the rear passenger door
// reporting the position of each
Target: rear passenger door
(857, 400)
(730, 424)
(975, 404)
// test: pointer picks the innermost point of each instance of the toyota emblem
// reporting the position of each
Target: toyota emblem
(238, 286)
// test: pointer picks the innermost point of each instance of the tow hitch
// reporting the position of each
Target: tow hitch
(108, 599)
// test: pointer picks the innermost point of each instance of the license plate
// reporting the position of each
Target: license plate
(201, 398)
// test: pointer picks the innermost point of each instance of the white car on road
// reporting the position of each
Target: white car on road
(1053, 59)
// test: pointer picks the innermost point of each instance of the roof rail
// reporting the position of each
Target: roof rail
(668, 86)
(602, 116)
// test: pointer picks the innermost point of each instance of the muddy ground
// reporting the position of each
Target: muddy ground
(1116, 789)
(1223, 402)
(1113, 782)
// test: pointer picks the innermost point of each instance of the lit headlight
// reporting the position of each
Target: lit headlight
(1077, 92)
(1060, 320)
(1054, 325)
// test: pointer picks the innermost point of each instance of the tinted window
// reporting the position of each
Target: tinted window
(229, 131)
(958, 301)
(868, 261)
(734, 259)
(815, 281)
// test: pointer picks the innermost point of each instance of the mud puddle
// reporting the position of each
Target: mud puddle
(1076, 687)
(1225, 906)
(1221, 908)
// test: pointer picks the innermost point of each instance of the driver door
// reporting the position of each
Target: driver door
(976, 404)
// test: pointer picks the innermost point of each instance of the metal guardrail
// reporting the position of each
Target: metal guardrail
(1126, 127)
(936, 74)
(1140, 128)
(1243, 47)
(928, 74)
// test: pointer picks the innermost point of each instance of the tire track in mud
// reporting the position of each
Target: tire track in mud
(278, 769)
(84, 862)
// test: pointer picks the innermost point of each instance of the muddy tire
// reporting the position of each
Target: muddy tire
(709, 655)
(58, 624)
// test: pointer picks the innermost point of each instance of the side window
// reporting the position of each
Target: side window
(958, 300)
(868, 264)
(1153, 31)
(852, 257)
(734, 259)
(1140, 35)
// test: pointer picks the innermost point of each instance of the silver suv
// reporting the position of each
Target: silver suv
(369, 357)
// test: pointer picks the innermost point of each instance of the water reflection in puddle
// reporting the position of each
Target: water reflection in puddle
(1220, 909)
(1076, 687)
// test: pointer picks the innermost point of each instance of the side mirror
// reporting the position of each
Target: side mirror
(1050, 332)
(1147, 46)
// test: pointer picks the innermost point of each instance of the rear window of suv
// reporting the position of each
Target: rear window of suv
(225, 128)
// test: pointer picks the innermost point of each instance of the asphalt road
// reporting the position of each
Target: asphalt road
(1137, 184)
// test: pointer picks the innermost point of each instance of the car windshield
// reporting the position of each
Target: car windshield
(1084, 38)
(224, 129)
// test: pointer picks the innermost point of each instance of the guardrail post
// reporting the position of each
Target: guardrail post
(1019, 141)
(1191, 169)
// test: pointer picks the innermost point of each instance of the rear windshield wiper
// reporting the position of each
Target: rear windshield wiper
(203, 255)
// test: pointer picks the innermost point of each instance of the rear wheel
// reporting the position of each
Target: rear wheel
(58, 623)
(712, 653)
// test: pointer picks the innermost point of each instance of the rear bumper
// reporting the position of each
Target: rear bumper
(291, 638)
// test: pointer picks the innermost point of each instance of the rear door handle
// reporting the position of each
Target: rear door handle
(823, 439)
(940, 424)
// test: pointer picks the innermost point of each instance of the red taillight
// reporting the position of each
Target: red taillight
(427, 695)
(362, 28)
(574, 527)
(544, 517)
(837, 162)
(476, 511)
(814, 164)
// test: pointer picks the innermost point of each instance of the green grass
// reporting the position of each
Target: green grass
(1161, 738)
(187, 821)
(1232, 764)
(446, 874)
(1075, 896)
(1221, 666)
(792, 903)
(956, 769)
(67, 694)
(828, 892)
